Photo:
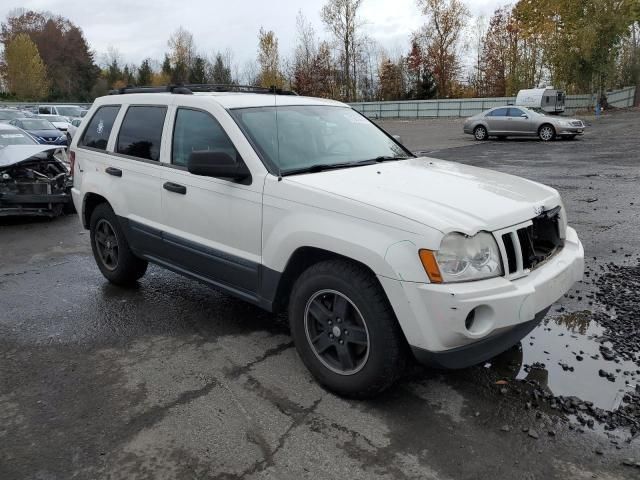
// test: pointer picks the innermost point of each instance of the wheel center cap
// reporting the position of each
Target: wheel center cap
(336, 332)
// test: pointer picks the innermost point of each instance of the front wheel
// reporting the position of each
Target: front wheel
(111, 250)
(546, 133)
(345, 330)
(480, 133)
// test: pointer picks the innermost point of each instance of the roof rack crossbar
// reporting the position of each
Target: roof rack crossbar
(190, 88)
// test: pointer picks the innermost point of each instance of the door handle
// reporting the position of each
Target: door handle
(175, 188)
(116, 172)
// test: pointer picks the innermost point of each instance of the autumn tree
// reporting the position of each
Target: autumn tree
(421, 84)
(304, 76)
(181, 55)
(442, 33)
(269, 60)
(342, 21)
(25, 72)
(392, 85)
(71, 70)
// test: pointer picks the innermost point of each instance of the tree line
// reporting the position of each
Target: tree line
(582, 46)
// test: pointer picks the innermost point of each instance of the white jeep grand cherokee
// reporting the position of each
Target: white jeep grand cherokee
(302, 203)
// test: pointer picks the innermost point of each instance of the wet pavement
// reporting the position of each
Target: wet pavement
(174, 380)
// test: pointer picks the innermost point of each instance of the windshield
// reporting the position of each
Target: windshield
(56, 118)
(15, 137)
(294, 139)
(10, 114)
(69, 111)
(36, 124)
(536, 110)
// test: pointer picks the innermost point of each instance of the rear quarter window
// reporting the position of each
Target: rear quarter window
(141, 132)
(97, 133)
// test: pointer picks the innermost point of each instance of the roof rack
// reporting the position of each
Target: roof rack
(191, 88)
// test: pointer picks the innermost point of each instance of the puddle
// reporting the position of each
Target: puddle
(557, 343)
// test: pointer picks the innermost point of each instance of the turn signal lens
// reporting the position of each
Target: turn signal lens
(430, 265)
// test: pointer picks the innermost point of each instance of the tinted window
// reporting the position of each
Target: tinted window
(515, 112)
(196, 131)
(96, 135)
(499, 112)
(141, 132)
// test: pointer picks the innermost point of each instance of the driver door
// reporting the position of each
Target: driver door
(213, 225)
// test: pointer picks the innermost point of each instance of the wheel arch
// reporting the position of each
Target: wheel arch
(89, 203)
(299, 261)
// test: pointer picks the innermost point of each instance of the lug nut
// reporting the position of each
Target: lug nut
(331, 335)
(341, 342)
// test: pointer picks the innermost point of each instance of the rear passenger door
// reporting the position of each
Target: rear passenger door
(213, 225)
(135, 171)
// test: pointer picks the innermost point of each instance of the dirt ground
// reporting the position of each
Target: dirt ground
(174, 380)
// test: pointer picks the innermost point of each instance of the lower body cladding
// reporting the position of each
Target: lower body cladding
(459, 325)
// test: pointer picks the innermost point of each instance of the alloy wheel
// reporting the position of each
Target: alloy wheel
(107, 244)
(546, 133)
(480, 133)
(336, 332)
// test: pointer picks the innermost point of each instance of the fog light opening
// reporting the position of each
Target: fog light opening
(479, 321)
(470, 320)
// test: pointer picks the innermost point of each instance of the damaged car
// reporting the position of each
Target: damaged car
(35, 180)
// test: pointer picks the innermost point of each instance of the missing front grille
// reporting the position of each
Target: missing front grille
(541, 239)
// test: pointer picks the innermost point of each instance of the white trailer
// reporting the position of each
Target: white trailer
(548, 99)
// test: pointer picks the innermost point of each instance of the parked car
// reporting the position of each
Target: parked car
(548, 99)
(73, 128)
(42, 130)
(8, 114)
(304, 204)
(503, 122)
(68, 111)
(61, 123)
(34, 180)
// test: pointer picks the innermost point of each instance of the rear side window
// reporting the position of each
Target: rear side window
(97, 133)
(197, 131)
(141, 132)
(499, 112)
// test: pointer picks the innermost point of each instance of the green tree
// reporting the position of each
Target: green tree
(24, 70)
(198, 70)
(145, 73)
(220, 71)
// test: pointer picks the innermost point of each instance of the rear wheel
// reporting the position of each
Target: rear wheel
(345, 330)
(546, 133)
(480, 133)
(111, 250)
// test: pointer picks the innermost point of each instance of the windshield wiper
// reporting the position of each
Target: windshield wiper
(389, 158)
(327, 166)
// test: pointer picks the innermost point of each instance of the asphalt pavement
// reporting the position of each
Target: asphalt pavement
(171, 379)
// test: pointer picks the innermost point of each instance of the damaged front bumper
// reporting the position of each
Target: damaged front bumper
(33, 182)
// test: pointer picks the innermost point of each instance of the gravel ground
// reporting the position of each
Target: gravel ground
(174, 380)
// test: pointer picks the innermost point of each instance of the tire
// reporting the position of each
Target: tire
(546, 132)
(111, 250)
(368, 335)
(480, 133)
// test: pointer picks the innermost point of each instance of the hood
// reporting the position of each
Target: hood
(46, 133)
(444, 195)
(13, 154)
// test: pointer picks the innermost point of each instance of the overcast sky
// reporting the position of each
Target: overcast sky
(140, 29)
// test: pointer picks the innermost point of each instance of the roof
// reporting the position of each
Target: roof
(225, 99)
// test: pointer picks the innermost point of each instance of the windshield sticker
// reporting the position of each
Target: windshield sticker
(12, 135)
(100, 128)
(353, 117)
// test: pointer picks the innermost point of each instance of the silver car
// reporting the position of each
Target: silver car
(503, 122)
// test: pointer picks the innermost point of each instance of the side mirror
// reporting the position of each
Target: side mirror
(398, 139)
(524, 115)
(217, 164)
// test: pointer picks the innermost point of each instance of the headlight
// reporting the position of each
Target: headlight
(565, 123)
(462, 258)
